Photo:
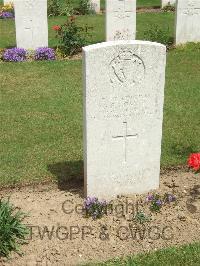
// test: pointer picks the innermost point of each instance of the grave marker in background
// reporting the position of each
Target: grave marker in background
(123, 114)
(31, 23)
(187, 21)
(168, 2)
(120, 20)
(8, 2)
(95, 5)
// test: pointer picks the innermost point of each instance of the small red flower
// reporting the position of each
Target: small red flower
(56, 27)
(194, 161)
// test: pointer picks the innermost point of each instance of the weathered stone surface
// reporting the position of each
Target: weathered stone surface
(168, 2)
(187, 21)
(120, 20)
(95, 5)
(123, 113)
(31, 23)
(8, 2)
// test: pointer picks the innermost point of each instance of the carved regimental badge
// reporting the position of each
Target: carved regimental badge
(127, 68)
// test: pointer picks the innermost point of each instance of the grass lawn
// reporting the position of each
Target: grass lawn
(148, 3)
(41, 107)
(41, 116)
(188, 255)
(140, 3)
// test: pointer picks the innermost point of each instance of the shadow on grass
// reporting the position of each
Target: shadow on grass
(69, 175)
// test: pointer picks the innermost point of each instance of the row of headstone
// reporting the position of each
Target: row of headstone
(32, 26)
(31, 22)
(121, 20)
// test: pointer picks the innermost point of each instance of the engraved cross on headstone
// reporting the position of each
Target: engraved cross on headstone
(29, 29)
(121, 11)
(125, 137)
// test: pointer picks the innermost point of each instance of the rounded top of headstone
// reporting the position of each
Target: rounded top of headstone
(121, 43)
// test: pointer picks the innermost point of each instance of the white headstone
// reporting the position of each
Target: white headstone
(31, 23)
(187, 21)
(120, 20)
(168, 2)
(123, 114)
(8, 2)
(95, 5)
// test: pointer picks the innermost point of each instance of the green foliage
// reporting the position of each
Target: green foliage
(67, 9)
(158, 34)
(155, 205)
(56, 8)
(53, 8)
(84, 7)
(72, 37)
(157, 201)
(141, 217)
(169, 8)
(12, 231)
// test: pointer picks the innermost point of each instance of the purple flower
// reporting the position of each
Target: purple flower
(45, 53)
(95, 208)
(89, 201)
(149, 198)
(14, 55)
(4, 15)
(158, 202)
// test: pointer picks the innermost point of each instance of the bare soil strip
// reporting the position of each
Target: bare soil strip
(73, 239)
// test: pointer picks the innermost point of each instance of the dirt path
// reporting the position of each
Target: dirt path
(112, 236)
